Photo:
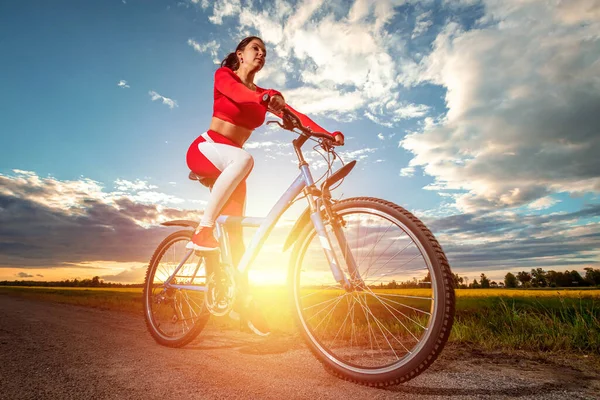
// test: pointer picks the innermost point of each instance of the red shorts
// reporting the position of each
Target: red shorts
(200, 165)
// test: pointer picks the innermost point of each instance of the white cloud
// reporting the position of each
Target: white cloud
(153, 197)
(543, 203)
(267, 145)
(212, 47)
(87, 222)
(165, 100)
(321, 50)
(203, 3)
(360, 154)
(316, 101)
(380, 136)
(71, 196)
(407, 171)
(522, 93)
(422, 24)
(224, 8)
(125, 185)
(123, 84)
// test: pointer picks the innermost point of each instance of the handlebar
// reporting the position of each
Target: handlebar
(291, 122)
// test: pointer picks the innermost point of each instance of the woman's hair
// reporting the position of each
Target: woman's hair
(231, 61)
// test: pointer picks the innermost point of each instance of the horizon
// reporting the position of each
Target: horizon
(478, 116)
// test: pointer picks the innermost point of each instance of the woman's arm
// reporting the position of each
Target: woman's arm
(309, 123)
(227, 84)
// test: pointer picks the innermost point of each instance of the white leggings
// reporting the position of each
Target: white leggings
(234, 163)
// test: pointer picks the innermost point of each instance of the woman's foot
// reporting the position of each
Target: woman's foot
(203, 240)
(251, 315)
(256, 320)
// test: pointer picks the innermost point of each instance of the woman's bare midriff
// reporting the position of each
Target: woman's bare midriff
(236, 133)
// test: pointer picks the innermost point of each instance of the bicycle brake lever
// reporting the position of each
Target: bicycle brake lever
(276, 122)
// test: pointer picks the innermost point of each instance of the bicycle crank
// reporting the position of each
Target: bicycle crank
(220, 292)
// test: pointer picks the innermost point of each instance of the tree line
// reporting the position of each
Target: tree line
(94, 282)
(538, 277)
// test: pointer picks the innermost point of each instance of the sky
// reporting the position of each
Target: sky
(479, 116)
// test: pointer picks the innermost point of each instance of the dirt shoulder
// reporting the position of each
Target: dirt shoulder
(52, 351)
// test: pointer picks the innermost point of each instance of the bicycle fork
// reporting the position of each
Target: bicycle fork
(326, 240)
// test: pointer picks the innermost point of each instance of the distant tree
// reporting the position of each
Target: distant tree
(524, 277)
(95, 281)
(538, 278)
(555, 279)
(510, 281)
(576, 278)
(427, 277)
(475, 284)
(485, 282)
(592, 276)
(458, 280)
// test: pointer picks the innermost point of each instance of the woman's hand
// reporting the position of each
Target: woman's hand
(339, 139)
(276, 103)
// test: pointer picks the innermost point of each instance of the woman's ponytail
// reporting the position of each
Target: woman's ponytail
(231, 62)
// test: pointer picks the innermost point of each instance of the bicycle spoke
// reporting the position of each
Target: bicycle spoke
(318, 304)
(404, 305)
(378, 240)
(380, 325)
(387, 305)
(391, 258)
(324, 308)
(361, 326)
(174, 312)
(329, 314)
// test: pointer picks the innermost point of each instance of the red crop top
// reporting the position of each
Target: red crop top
(237, 104)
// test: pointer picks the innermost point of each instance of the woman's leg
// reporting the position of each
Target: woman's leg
(235, 164)
(228, 196)
(236, 207)
(229, 166)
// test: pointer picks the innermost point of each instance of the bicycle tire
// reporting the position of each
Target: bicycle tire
(161, 302)
(342, 361)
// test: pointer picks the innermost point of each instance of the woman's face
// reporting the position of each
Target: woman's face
(253, 55)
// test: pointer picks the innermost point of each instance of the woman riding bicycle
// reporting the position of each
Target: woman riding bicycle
(239, 108)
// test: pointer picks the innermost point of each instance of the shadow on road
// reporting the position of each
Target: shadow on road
(246, 343)
(519, 391)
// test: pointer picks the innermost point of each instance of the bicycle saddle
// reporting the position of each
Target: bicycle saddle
(208, 182)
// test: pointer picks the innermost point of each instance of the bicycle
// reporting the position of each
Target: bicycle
(347, 269)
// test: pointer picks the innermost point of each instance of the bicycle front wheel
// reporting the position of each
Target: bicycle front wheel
(396, 320)
(175, 316)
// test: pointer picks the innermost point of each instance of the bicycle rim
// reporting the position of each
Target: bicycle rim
(175, 316)
(382, 327)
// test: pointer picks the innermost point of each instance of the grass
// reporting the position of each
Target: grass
(122, 299)
(540, 320)
(558, 323)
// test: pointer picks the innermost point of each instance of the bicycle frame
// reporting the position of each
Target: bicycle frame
(265, 226)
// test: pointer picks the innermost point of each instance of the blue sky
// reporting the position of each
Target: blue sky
(478, 116)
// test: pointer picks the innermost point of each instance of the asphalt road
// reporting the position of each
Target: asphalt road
(56, 351)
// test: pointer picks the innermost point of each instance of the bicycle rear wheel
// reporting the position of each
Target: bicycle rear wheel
(395, 322)
(175, 316)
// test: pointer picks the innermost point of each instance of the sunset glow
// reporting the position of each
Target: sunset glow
(490, 139)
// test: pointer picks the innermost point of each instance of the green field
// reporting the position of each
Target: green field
(540, 320)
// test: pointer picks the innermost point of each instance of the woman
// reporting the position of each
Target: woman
(239, 108)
